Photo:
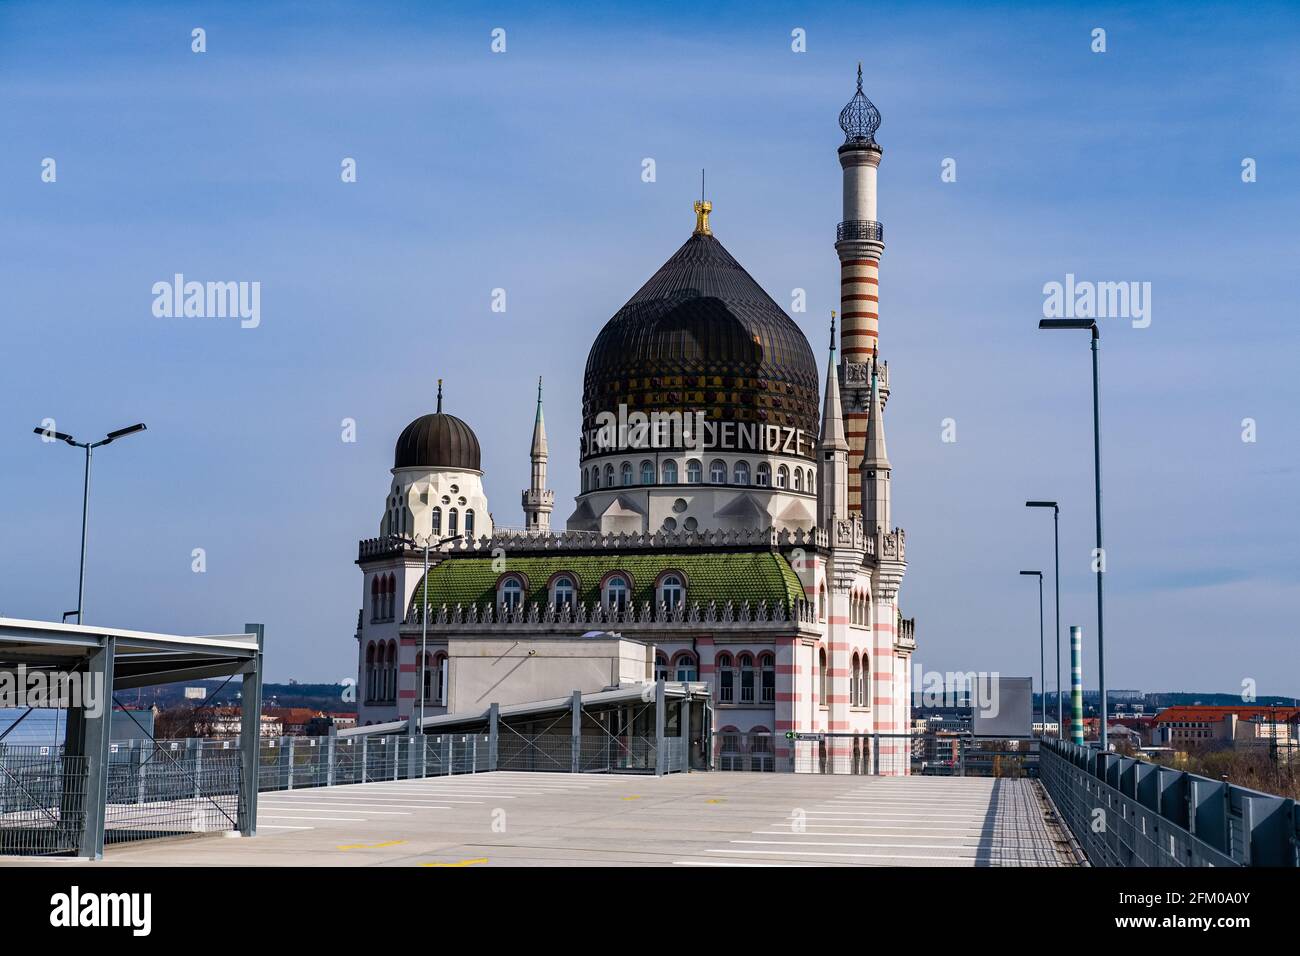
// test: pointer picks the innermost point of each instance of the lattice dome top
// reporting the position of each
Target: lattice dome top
(860, 119)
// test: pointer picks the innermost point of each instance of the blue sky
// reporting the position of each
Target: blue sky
(522, 171)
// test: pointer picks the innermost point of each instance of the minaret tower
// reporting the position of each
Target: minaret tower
(859, 242)
(538, 500)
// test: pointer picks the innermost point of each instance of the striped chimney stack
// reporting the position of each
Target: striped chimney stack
(859, 242)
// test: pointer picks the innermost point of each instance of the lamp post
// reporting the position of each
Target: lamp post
(424, 614)
(1091, 326)
(49, 435)
(1042, 680)
(1056, 539)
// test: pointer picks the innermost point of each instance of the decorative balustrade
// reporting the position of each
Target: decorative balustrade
(520, 540)
(582, 614)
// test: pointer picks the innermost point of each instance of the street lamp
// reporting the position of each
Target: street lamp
(48, 434)
(1056, 537)
(424, 613)
(1091, 326)
(1042, 680)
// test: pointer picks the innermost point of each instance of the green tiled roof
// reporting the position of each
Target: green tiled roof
(737, 577)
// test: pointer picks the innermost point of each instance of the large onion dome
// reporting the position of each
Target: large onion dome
(701, 334)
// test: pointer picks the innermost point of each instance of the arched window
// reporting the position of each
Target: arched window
(782, 476)
(428, 679)
(370, 672)
(726, 680)
(595, 477)
(670, 472)
(864, 688)
(821, 678)
(797, 480)
(854, 676)
(625, 473)
(647, 472)
(671, 591)
(469, 522)
(453, 521)
(661, 667)
(392, 671)
(563, 592)
(440, 678)
(763, 476)
(746, 679)
(767, 668)
(435, 519)
(821, 603)
(376, 600)
(585, 480)
(510, 592)
(694, 472)
(609, 476)
(809, 484)
(718, 471)
(688, 668)
(742, 473)
(616, 593)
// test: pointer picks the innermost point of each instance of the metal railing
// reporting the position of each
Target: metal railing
(958, 754)
(1124, 811)
(868, 229)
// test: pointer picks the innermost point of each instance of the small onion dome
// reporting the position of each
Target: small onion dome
(438, 441)
(860, 119)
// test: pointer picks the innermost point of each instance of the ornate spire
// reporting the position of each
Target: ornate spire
(860, 119)
(832, 431)
(874, 455)
(439, 396)
(539, 426)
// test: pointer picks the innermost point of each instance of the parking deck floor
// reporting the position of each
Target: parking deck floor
(697, 819)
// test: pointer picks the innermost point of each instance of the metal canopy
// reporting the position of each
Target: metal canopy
(142, 658)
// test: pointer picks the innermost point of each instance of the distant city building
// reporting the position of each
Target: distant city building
(1204, 725)
(722, 523)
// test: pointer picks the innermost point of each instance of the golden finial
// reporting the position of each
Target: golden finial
(702, 209)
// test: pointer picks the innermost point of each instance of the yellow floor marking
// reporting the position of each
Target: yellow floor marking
(636, 797)
(715, 801)
(482, 859)
(371, 846)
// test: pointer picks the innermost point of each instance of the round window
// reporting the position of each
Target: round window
(679, 505)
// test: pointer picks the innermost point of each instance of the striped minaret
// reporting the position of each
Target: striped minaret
(859, 242)
(1076, 684)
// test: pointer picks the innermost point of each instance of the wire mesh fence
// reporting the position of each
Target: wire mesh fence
(170, 788)
(42, 800)
(596, 752)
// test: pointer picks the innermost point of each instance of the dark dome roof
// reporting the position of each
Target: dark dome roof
(702, 334)
(437, 441)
